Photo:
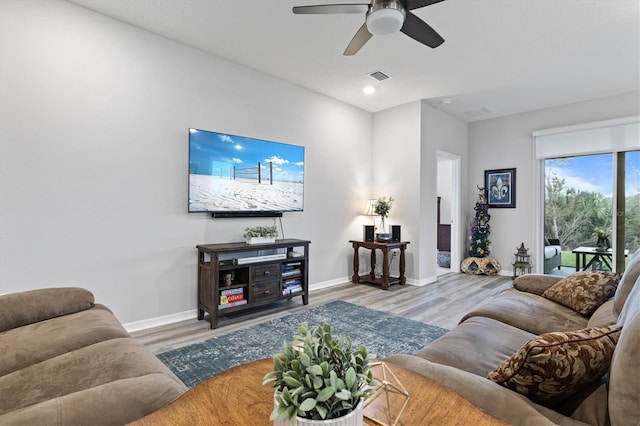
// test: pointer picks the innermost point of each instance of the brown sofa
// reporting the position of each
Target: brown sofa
(463, 358)
(66, 360)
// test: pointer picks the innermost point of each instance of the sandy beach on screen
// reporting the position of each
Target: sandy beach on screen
(210, 193)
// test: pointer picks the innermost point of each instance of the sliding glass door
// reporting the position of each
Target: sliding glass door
(628, 224)
(590, 203)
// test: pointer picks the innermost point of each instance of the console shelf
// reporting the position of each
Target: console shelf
(233, 277)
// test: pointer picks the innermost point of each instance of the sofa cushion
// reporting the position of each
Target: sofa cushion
(603, 316)
(33, 343)
(624, 379)
(631, 306)
(624, 388)
(529, 312)
(492, 398)
(478, 345)
(79, 370)
(583, 291)
(550, 251)
(113, 403)
(554, 366)
(535, 283)
(27, 307)
(631, 274)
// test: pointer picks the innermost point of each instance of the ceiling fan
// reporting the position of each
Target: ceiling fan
(382, 17)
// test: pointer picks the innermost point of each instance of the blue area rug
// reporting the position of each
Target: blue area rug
(382, 333)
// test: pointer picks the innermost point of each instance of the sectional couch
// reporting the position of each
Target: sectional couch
(527, 359)
(66, 360)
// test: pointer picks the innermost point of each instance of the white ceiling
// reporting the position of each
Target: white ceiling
(500, 57)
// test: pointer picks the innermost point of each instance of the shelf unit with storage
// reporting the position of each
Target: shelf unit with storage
(237, 276)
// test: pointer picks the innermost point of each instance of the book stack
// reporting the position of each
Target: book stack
(291, 278)
(232, 297)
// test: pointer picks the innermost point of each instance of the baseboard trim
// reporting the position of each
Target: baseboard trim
(158, 321)
(505, 273)
(146, 324)
(330, 283)
(423, 281)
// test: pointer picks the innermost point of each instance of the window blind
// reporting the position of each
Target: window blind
(594, 138)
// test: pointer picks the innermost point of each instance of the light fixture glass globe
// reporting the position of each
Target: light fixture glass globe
(385, 21)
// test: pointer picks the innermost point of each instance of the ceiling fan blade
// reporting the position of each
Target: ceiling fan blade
(331, 8)
(420, 31)
(415, 4)
(362, 36)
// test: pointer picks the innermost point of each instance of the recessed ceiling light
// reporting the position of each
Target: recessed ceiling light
(369, 90)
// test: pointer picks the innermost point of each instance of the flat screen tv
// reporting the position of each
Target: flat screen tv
(240, 176)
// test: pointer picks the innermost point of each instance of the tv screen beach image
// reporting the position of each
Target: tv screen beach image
(233, 174)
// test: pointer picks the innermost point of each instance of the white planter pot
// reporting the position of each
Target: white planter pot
(260, 240)
(354, 418)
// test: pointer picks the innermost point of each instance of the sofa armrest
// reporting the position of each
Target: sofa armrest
(535, 283)
(490, 397)
(27, 307)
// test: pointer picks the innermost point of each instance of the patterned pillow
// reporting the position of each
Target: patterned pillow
(553, 366)
(583, 291)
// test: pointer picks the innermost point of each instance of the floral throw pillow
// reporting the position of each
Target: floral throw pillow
(584, 291)
(553, 366)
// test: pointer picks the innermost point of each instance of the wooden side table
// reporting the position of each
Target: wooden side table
(237, 397)
(385, 280)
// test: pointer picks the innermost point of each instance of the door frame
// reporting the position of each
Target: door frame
(455, 205)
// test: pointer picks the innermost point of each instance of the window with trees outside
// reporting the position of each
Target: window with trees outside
(580, 202)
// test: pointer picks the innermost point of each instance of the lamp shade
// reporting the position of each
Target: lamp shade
(371, 206)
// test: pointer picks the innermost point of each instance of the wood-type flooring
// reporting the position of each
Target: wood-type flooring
(441, 303)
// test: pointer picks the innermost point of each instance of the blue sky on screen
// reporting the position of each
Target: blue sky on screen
(211, 152)
(594, 173)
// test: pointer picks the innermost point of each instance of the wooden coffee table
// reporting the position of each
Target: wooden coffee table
(237, 397)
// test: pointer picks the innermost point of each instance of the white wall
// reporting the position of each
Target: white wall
(396, 173)
(406, 140)
(441, 133)
(507, 142)
(93, 164)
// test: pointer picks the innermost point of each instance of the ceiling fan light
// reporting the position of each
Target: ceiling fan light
(385, 21)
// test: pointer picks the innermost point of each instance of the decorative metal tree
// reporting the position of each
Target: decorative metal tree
(479, 238)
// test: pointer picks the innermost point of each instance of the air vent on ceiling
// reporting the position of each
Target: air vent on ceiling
(474, 113)
(379, 75)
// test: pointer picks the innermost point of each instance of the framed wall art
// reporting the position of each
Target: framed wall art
(500, 187)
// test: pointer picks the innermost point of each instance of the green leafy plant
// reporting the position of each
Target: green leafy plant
(261, 231)
(383, 206)
(318, 377)
(600, 233)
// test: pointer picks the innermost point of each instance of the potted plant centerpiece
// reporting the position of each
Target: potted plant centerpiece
(383, 208)
(261, 234)
(319, 380)
(602, 235)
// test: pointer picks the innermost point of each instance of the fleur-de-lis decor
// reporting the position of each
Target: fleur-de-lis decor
(499, 191)
(500, 187)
